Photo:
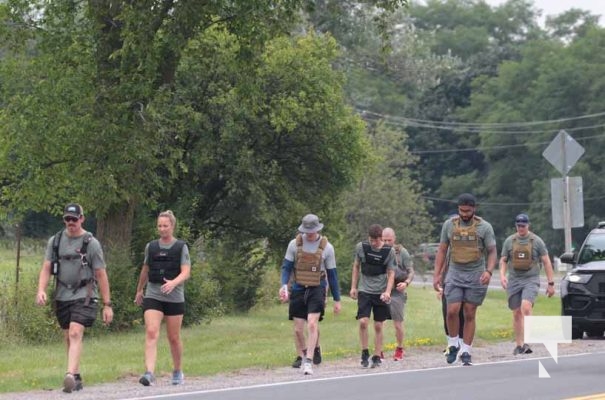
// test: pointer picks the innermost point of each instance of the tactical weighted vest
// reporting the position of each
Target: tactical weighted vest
(375, 260)
(522, 253)
(307, 270)
(465, 242)
(164, 263)
(401, 273)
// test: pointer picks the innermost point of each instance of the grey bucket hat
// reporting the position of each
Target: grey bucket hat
(310, 224)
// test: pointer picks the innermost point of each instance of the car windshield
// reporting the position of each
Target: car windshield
(593, 249)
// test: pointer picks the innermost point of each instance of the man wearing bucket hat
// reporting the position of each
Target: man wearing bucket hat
(522, 254)
(311, 262)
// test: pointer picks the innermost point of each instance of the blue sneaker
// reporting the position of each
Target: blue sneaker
(178, 378)
(451, 354)
(466, 359)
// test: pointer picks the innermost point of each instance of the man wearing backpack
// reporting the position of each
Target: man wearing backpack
(522, 253)
(310, 260)
(404, 274)
(75, 259)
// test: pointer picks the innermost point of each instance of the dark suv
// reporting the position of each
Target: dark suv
(583, 288)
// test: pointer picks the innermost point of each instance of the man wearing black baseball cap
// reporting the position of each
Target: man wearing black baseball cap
(472, 258)
(75, 258)
(522, 253)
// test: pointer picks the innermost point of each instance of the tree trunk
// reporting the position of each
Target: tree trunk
(114, 230)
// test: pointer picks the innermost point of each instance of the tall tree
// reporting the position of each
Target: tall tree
(78, 125)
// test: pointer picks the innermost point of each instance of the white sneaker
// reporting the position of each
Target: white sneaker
(307, 367)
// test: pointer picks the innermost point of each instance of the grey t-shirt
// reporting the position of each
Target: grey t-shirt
(538, 250)
(404, 270)
(328, 258)
(154, 290)
(71, 271)
(485, 234)
(376, 284)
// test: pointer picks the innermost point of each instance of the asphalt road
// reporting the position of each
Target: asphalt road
(571, 377)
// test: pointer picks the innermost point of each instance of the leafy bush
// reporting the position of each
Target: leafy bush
(21, 319)
(238, 267)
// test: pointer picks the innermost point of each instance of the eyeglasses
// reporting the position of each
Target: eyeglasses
(521, 225)
(70, 219)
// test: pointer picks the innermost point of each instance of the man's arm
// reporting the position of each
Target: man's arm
(103, 281)
(550, 275)
(439, 265)
(503, 266)
(354, 278)
(43, 279)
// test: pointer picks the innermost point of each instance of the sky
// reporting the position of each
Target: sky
(554, 7)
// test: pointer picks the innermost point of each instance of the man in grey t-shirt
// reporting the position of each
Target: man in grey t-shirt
(81, 277)
(522, 253)
(472, 258)
(372, 280)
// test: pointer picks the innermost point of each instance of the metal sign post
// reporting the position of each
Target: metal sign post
(563, 153)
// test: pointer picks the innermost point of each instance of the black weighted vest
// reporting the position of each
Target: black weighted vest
(164, 263)
(375, 261)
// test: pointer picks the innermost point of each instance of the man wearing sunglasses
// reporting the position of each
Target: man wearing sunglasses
(79, 277)
(522, 254)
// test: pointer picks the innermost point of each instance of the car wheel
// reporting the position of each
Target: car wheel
(576, 332)
(594, 333)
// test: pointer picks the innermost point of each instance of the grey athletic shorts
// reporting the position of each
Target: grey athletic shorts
(397, 305)
(522, 289)
(464, 287)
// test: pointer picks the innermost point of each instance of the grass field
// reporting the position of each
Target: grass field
(261, 338)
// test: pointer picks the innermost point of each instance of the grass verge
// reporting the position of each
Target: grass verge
(261, 338)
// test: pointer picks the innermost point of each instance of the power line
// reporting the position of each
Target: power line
(504, 146)
(505, 204)
(478, 125)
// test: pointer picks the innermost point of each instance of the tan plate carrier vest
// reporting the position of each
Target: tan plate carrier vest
(522, 253)
(465, 242)
(307, 271)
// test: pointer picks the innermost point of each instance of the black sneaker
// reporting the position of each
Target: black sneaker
(466, 359)
(451, 354)
(297, 362)
(527, 349)
(79, 384)
(317, 356)
(518, 350)
(376, 361)
(365, 356)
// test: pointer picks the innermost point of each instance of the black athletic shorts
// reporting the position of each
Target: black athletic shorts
(309, 301)
(163, 306)
(370, 303)
(76, 311)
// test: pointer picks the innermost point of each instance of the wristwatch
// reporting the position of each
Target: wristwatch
(551, 284)
(108, 304)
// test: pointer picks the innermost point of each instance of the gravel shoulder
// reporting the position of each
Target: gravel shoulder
(415, 358)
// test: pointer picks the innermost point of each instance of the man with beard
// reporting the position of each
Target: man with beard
(472, 258)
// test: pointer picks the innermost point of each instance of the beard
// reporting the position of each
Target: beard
(467, 218)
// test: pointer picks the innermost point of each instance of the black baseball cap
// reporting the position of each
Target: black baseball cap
(73, 210)
(467, 199)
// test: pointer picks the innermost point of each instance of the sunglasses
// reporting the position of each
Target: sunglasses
(70, 219)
